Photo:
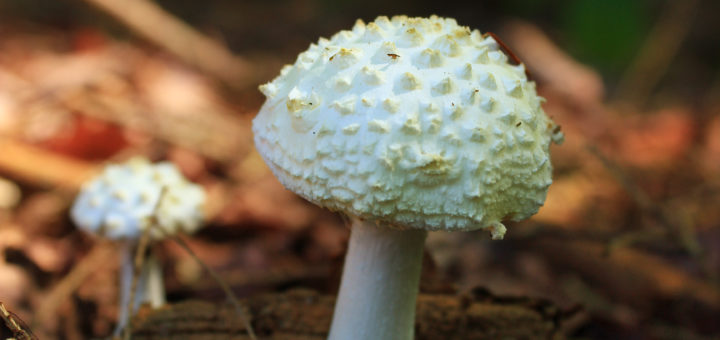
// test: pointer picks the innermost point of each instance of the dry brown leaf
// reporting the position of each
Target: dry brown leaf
(655, 140)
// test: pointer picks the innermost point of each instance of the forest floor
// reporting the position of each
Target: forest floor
(627, 245)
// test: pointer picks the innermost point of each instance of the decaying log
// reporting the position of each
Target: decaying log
(305, 315)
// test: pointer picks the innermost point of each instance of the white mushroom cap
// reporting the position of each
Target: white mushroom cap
(119, 203)
(412, 122)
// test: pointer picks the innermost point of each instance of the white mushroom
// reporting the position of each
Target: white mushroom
(407, 125)
(123, 201)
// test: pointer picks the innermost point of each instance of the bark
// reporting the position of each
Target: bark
(306, 315)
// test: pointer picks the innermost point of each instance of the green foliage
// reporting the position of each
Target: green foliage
(605, 33)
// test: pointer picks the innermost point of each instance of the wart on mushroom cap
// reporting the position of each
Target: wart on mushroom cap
(412, 122)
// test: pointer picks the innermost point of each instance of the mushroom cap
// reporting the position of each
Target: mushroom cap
(412, 123)
(120, 203)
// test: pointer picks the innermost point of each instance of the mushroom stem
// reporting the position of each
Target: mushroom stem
(126, 275)
(153, 275)
(150, 288)
(380, 284)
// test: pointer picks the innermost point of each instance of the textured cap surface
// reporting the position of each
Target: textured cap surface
(119, 203)
(412, 122)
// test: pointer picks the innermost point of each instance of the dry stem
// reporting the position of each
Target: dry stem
(223, 285)
(15, 325)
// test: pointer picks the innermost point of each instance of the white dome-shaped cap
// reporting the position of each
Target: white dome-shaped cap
(119, 202)
(412, 122)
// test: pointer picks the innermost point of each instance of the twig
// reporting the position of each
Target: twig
(139, 256)
(15, 325)
(163, 29)
(223, 285)
(657, 52)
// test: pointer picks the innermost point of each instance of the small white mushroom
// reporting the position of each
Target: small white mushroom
(441, 150)
(123, 202)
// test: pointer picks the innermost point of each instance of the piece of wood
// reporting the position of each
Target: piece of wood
(41, 167)
(156, 25)
(306, 315)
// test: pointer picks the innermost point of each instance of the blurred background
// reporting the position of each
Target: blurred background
(627, 245)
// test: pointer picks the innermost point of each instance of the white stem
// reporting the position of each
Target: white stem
(126, 275)
(150, 288)
(152, 273)
(380, 284)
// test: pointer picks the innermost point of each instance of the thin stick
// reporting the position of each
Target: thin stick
(15, 325)
(226, 289)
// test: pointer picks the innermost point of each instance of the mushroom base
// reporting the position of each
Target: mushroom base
(380, 284)
(150, 288)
